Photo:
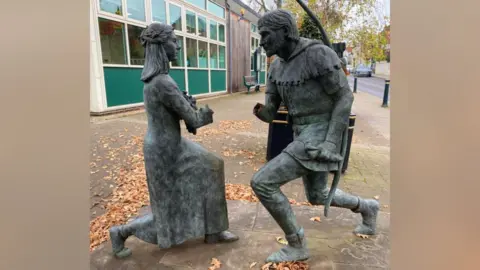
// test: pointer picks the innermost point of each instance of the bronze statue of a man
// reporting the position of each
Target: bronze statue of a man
(308, 77)
(186, 182)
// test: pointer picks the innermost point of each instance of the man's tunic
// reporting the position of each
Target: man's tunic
(309, 83)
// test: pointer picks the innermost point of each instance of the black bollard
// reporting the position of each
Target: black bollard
(354, 84)
(385, 93)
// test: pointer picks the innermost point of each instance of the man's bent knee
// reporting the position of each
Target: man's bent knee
(317, 198)
(256, 182)
(260, 185)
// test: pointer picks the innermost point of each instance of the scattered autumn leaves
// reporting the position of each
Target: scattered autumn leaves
(286, 266)
(129, 195)
(240, 192)
(216, 264)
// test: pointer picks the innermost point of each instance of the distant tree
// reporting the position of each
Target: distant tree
(371, 43)
(308, 29)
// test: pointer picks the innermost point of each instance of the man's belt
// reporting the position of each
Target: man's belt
(311, 119)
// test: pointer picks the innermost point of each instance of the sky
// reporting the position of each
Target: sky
(386, 5)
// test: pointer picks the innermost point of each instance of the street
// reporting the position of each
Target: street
(373, 85)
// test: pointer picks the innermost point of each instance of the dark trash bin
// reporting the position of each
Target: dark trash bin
(280, 133)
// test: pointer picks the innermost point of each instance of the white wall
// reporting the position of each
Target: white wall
(382, 68)
(97, 96)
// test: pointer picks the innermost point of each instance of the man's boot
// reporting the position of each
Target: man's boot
(369, 210)
(296, 250)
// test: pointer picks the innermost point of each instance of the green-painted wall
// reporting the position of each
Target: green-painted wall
(123, 85)
(178, 75)
(218, 80)
(197, 82)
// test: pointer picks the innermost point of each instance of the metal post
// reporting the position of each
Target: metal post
(354, 84)
(385, 93)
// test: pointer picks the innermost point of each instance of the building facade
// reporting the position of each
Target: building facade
(215, 52)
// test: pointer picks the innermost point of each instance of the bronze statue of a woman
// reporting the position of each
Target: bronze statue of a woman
(186, 182)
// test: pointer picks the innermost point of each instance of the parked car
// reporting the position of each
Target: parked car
(362, 70)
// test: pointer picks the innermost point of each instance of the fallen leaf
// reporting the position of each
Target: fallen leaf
(282, 241)
(376, 197)
(215, 264)
(267, 266)
(364, 236)
(253, 264)
(385, 206)
(315, 219)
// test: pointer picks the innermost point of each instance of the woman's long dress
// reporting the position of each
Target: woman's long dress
(186, 182)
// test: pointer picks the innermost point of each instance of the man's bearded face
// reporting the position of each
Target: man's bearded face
(272, 40)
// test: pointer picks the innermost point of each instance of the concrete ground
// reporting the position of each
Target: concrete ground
(241, 139)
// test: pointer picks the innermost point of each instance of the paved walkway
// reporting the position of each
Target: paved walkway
(241, 140)
(331, 244)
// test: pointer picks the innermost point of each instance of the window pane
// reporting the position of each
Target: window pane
(202, 26)
(180, 60)
(159, 13)
(221, 32)
(111, 6)
(112, 39)
(253, 44)
(202, 54)
(191, 27)
(137, 52)
(213, 30)
(216, 10)
(213, 56)
(176, 17)
(198, 3)
(253, 27)
(221, 56)
(136, 9)
(191, 53)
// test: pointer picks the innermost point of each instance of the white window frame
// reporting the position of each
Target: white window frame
(124, 16)
(184, 6)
